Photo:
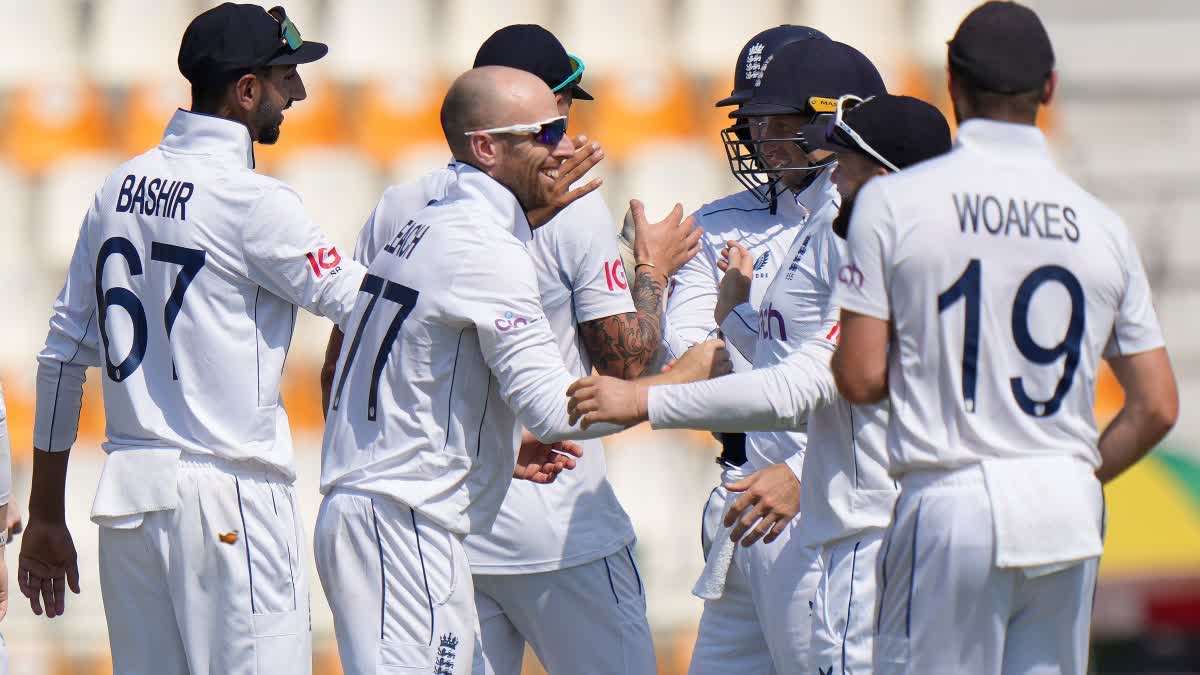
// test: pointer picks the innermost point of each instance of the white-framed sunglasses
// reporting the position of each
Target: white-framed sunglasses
(849, 102)
(547, 132)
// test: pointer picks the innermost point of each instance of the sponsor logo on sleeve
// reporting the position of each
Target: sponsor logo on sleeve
(614, 275)
(851, 276)
(511, 321)
(324, 260)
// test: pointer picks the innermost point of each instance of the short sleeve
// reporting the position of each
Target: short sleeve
(1135, 325)
(587, 247)
(862, 278)
(287, 254)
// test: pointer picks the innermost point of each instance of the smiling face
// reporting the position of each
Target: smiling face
(787, 153)
(528, 167)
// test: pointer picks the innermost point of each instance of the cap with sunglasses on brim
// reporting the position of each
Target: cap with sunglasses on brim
(534, 49)
(896, 130)
(1002, 47)
(808, 76)
(230, 39)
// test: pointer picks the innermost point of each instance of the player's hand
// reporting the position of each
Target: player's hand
(47, 566)
(770, 498)
(13, 522)
(540, 462)
(587, 155)
(738, 267)
(702, 361)
(601, 398)
(667, 244)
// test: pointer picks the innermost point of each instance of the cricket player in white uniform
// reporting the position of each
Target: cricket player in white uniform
(1002, 283)
(847, 499)
(756, 616)
(540, 585)
(752, 218)
(183, 290)
(420, 443)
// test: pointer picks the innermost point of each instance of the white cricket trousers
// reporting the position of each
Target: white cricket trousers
(588, 619)
(761, 624)
(844, 605)
(944, 606)
(215, 586)
(399, 586)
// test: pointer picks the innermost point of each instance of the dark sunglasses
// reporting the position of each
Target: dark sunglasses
(547, 132)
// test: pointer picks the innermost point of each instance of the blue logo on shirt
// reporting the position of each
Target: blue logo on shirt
(762, 261)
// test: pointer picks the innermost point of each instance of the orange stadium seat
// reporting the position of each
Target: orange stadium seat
(314, 122)
(711, 119)
(636, 107)
(47, 122)
(397, 114)
(148, 107)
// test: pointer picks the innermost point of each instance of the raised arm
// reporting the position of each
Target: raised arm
(623, 345)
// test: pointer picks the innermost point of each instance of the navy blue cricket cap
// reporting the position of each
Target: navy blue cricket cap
(807, 77)
(231, 39)
(534, 49)
(760, 47)
(1002, 47)
(902, 129)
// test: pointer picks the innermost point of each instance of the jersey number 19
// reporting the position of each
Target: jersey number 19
(967, 288)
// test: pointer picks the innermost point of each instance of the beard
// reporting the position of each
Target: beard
(266, 123)
(841, 222)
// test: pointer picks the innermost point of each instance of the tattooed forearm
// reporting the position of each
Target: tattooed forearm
(623, 345)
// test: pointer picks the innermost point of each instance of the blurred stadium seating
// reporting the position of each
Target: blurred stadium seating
(87, 83)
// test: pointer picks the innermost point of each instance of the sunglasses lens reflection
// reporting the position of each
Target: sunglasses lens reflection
(552, 132)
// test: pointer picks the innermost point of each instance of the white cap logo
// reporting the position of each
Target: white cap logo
(754, 61)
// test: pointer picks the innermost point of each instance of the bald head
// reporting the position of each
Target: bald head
(492, 96)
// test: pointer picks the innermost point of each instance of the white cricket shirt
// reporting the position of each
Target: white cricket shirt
(847, 487)
(1005, 283)
(183, 290)
(691, 304)
(793, 308)
(580, 278)
(448, 352)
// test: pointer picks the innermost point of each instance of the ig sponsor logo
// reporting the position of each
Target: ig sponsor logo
(614, 274)
(325, 259)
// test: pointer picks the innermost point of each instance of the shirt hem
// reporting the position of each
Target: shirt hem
(512, 569)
